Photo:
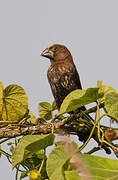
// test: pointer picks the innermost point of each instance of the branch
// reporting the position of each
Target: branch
(25, 129)
(58, 127)
(73, 124)
(29, 129)
(18, 129)
(95, 149)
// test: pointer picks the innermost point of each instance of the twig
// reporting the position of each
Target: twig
(3, 152)
(8, 122)
(93, 150)
(4, 140)
(29, 129)
(91, 133)
(17, 170)
(94, 109)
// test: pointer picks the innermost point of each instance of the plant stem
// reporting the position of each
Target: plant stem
(4, 140)
(93, 150)
(91, 133)
(17, 172)
(98, 116)
(3, 152)
(41, 165)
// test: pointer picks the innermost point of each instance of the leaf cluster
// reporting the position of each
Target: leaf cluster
(63, 162)
(29, 154)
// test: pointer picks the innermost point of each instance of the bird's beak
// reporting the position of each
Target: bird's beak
(48, 53)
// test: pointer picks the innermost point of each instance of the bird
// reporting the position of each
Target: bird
(62, 74)
(64, 78)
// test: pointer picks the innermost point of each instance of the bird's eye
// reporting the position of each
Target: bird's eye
(54, 49)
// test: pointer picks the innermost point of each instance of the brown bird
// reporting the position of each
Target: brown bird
(62, 73)
(64, 78)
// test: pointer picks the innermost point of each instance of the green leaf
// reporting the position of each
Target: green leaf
(15, 103)
(40, 154)
(72, 175)
(32, 118)
(111, 105)
(1, 99)
(40, 142)
(33, 161)
(99, 83)
(10, 143)
(30, 144)
(54, 106)
(104, 89)
(45, 110)
(56, 163)
(23, 174)
(79, 98)
(12, 149)
(102, 168)
(0, 152)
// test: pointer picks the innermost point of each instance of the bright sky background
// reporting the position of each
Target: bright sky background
(89, 28)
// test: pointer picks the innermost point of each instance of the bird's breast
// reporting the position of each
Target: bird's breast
(55, 72)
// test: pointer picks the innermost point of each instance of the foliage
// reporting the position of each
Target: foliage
(15, 103)
(102, 168)
(46, 110)
(66, 161)
(79, 98)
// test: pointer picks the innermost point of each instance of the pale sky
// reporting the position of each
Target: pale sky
(89, 28)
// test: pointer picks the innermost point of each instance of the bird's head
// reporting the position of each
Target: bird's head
(56, 52)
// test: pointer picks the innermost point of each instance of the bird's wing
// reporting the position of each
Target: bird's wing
(70, 81)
